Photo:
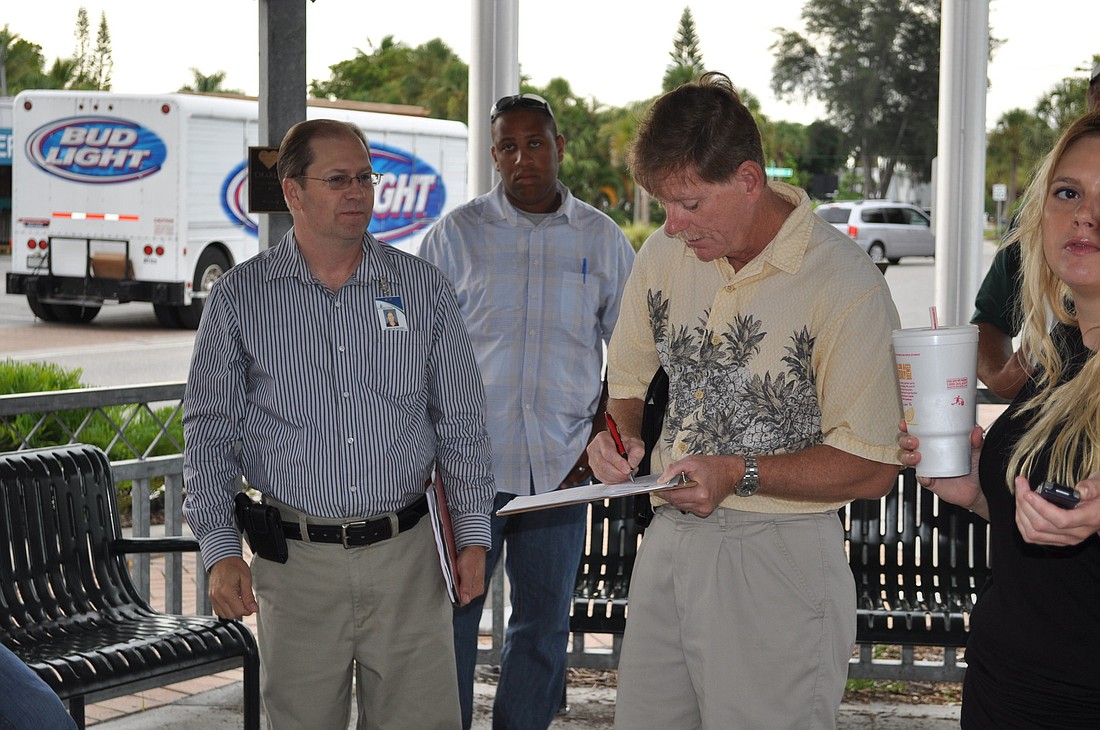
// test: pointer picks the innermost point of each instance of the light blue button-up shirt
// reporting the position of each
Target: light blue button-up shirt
(540, 296)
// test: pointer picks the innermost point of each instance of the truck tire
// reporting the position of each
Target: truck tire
(76, 313)
(43, 311)
(212, 264)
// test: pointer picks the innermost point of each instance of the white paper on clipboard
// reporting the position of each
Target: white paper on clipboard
(587, 493)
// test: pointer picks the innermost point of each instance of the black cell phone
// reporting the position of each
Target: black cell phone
(262, 526)
(1061, 495)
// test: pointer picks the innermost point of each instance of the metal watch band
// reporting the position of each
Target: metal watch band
(750, 483)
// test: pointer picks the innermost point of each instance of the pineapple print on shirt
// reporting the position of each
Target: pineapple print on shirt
(719, 403)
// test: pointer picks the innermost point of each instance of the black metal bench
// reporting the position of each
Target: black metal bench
(68, 607)
(603, 578)
(918, 565)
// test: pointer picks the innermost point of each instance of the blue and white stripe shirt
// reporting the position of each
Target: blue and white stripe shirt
(540, 295)
(319, 404)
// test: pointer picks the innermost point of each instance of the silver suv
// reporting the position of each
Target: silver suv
(884, 229)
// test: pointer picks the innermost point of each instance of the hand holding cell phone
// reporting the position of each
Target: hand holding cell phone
(1059, 494)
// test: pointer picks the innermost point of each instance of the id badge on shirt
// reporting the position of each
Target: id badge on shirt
(391, 313)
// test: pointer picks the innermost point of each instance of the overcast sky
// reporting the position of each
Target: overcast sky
(613, 50)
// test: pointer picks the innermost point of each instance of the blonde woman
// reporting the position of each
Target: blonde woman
(1034, 641)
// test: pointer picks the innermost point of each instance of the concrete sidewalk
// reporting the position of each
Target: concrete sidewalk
(590, 708)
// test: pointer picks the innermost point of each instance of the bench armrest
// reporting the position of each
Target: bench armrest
(178, 544)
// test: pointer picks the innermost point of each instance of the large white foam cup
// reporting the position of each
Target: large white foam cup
(937, 373)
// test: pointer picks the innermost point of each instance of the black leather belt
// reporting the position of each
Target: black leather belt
(362, 532)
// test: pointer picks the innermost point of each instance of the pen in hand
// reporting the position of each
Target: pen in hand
(614, 431)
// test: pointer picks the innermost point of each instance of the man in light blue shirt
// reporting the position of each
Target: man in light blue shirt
(538, 275)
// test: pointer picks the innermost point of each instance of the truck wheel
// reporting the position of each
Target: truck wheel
(212, 264)
(76, 313)
(43, 311)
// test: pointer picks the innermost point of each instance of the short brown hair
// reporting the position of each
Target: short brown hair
(296, 150)
(701, 127)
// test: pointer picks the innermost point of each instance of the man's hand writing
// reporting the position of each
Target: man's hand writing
(607, 463)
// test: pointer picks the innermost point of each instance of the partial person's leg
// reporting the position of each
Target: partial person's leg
(404, 638)
(305, 634)
(467, 619)
(655, 690)
(27, 702)
(544, 548)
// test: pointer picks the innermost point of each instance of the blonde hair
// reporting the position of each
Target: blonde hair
(1064, 419)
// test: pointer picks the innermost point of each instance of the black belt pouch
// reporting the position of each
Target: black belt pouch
(262, 526)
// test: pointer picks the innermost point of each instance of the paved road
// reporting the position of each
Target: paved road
(124, 345)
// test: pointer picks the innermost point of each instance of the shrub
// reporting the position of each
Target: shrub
(637, 233)
(38, 377)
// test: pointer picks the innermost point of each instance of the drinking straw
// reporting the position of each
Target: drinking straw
(935, 322)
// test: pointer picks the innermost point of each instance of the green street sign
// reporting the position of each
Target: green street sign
(778, 172)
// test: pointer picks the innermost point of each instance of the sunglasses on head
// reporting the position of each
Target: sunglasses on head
(519, 101)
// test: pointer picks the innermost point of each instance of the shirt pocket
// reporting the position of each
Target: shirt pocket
(397, 367)
(577, 306)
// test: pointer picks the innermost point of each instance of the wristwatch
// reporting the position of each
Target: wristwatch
(750, 483)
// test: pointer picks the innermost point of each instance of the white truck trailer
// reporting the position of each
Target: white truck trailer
(125, 197)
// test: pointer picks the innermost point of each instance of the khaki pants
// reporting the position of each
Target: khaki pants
(380, 612)
(739, 621)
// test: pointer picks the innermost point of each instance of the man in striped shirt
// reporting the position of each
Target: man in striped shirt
(299, 384)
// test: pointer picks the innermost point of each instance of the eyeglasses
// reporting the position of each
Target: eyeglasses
(343, 182)
(520, 101)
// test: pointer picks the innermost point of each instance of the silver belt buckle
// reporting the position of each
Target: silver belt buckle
(389, 520)
(344, 532)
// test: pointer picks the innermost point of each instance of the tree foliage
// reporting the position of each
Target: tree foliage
(1021, 137)
(24, 65)
(687, 58)
(430, 75)
(103, 63)
(92, 64)
(212, 84)
(875, 66)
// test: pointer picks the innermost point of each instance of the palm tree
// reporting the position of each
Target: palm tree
(1013, 146)
(211, 84)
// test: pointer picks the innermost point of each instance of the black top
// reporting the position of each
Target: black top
(1034, 646)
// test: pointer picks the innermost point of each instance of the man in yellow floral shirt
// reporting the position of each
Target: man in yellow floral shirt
(774, 330)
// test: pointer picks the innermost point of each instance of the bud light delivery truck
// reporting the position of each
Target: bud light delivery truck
(124, 197)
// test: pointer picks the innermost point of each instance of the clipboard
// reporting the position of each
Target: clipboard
(588, 493)
(444, 535)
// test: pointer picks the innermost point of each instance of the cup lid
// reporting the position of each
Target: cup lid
(939, 335)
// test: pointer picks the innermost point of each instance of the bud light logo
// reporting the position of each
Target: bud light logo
(96, 150)
(410, 197)
(234, 197)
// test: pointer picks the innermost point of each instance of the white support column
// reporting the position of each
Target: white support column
(960, 171)
(494, 72)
